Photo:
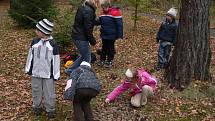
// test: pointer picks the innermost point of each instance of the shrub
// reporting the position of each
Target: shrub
(75, 3)
(27, 12)
(63, 26)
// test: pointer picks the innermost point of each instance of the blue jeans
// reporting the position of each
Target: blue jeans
(164, 53)
(84, 55)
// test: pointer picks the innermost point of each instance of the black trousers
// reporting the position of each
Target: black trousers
(108, 50)
(81, 104)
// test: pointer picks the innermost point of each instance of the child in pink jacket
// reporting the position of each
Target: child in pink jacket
(141, 83)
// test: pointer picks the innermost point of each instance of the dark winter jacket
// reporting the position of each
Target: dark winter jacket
(111, 24)
(82, 77)
(167, 31)
(84, 23)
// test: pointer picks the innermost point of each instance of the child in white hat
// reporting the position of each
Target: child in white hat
(142, 84)
(166, 37)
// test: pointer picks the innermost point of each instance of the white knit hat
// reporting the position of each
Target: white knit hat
(129, 73)
(172, 12)
(45, 26)
(84, 63)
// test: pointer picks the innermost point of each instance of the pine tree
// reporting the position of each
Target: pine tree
(27, 12)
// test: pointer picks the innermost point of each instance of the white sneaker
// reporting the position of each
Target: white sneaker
(135, 100)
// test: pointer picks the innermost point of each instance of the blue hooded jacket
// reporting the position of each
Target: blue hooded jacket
(111, 24)
(167, 31)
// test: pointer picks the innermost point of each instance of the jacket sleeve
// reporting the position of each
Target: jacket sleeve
(118, 21)
(56, 62)
(28, 65)
(119, 24)
(119, 90)
(89, 21)
(70, 92)
(158, 34)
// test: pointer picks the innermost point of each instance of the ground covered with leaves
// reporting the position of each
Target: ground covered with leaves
(196, 103)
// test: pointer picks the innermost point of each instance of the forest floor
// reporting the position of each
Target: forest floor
(196, 103)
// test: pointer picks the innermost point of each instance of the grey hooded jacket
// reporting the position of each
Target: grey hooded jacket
(82, 77)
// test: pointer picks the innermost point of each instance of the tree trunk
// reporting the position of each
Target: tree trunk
(191, 55)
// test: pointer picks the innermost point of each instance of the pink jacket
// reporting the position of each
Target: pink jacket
(144, 79)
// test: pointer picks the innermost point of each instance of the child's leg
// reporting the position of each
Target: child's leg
(36, 84)
(146, 92)
(89, 94)
(111, 48)
(84, 97)
(161, 55)
(78, 112)
(104, 50)
(49, 95)
(167, 54)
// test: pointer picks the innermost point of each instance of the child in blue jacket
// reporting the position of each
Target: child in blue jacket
(166, 37)
(111, 29)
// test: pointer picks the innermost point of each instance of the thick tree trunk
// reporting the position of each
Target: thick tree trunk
(191, 55)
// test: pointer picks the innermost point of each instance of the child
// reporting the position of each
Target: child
(82, 86)
(111, 30)
(43, 64)
(166, 37)
(141, 83)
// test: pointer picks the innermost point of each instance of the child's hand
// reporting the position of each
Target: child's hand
(122, 81)
(97, 46)
(68, 84)
(107, 100)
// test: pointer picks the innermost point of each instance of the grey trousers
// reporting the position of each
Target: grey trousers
(43, 88)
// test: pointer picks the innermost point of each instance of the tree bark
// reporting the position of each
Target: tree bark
(191, 55)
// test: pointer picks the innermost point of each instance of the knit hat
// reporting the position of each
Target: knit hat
(129, 73)
(45, 26)
(84, 63)
(172, 12)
